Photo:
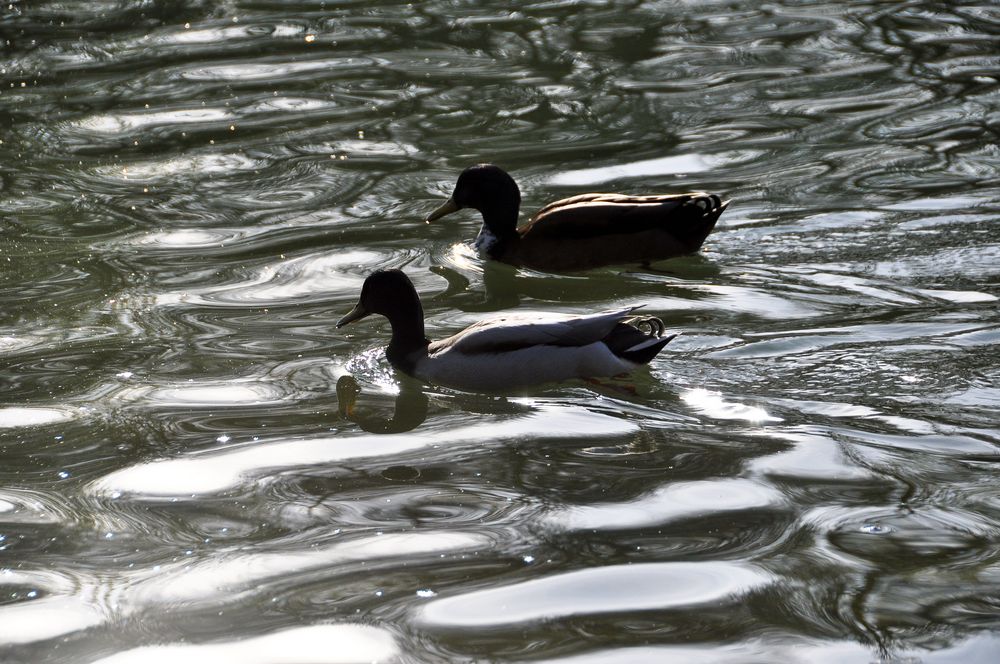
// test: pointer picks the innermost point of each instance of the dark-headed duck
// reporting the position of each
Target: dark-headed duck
(511, 351)
(583, 231)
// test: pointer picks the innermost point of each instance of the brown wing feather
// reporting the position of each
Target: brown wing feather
(595, 215)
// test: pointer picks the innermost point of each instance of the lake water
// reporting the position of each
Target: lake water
(192, 192)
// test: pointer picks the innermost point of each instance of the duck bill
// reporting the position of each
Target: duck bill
(357, 313)
(347, 394)
(347, 410)
(449, 206)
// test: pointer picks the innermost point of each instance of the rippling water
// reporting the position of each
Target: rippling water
(192, 192)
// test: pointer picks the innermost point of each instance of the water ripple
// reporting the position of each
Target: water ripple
(648, 586)
(191, 194)
(322, 644)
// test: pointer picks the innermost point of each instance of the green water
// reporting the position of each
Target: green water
(192, 192)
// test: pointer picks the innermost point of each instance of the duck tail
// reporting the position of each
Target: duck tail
(650, 325)
(696, 218)
(643, 353)
(711, 206)
(710, 203)
(638, 339)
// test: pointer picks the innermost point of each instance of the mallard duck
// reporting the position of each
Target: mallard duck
(584, 231)
(511, 351)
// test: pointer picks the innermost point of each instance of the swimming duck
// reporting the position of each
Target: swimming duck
(512, 350)
(584, 231)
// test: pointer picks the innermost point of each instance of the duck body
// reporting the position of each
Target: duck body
(511, 351)
(519, 350)
(584, 231)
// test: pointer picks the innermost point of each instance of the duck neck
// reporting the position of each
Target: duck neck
(499, 231)
(408, 337)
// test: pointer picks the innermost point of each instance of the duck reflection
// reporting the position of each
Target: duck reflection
(504, 286)
(408, 412)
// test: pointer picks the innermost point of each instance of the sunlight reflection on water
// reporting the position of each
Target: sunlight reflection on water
(33, 416)
(318, 644)
(598, 590)
(192, 196)
(714, 405)
(680, 164)
(220, 470)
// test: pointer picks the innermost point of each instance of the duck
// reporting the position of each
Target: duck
(584, 231)
(511, 351)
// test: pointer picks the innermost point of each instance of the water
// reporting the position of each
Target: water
(192, 192)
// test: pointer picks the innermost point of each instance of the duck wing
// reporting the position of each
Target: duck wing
(517, 331)
(595, 215)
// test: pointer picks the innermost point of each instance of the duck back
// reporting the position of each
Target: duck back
(603, 229)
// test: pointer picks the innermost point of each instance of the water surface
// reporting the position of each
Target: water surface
(192, 192)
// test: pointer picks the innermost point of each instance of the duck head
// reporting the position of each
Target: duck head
(490, 190)
(389, 293)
